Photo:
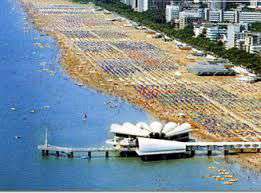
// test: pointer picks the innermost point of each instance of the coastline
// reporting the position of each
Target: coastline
(84, 69)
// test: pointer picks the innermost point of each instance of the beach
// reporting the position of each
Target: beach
(108, 53)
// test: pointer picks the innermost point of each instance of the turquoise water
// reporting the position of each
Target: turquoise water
(59, 104)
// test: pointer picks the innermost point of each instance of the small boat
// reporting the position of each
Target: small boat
(218, 178)
(85, 116)
(79, 84)
(13, 109)
(84, 157)
(233, 180)
(228, 183)
(228, 176)
(17, 137)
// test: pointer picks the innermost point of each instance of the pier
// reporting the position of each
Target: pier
(209, 147)
(191, 147)
(46, 149)
(145, 148)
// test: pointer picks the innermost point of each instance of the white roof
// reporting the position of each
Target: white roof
(148, 146)
(129, 129)
(156, 126)
(180, 129)
(143, 125)
(169, 127)
(143, 130)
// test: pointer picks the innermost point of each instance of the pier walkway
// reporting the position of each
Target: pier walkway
(46, 148)
(190, 147)
(226, 146)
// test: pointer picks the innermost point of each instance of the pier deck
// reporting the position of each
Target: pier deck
(190, 146)
(46, 148)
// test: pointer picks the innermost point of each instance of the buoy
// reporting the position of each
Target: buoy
(228, 183)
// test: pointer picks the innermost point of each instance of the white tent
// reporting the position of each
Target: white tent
(129, 129)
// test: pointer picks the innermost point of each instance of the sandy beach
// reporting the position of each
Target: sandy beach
(106, 52)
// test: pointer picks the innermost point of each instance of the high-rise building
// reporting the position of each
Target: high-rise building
(159, 5)
(215, 32)
(232, 31)
(235, 33)
(249, 17)
(189, 16)
(230, 16)
(142, 5)
(215, 15)
(255, 3)
(253, 42)
(137, 5)
(217, 4)
(172, 12)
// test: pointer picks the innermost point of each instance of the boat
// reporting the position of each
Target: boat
(233, 180)
(219, 178)
(228, 183)
(228, 176)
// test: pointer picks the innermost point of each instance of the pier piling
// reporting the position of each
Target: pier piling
(70, 155)
(226, 152)
(106, 154)
(89, 154)
(209, 152)
(57, 154)
(192, 153)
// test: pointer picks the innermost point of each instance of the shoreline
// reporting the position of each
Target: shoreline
(85, 70)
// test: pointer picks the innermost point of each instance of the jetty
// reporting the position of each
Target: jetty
(149, 146)
(47, 149)
(57, 150)
(145, 146)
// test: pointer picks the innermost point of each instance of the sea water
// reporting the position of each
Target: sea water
(36, 94)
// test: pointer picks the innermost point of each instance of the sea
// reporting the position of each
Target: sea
(36, 95)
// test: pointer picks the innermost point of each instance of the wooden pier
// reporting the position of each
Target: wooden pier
(48, 149)
(190, 147)
(209, 147)
(70, 152)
